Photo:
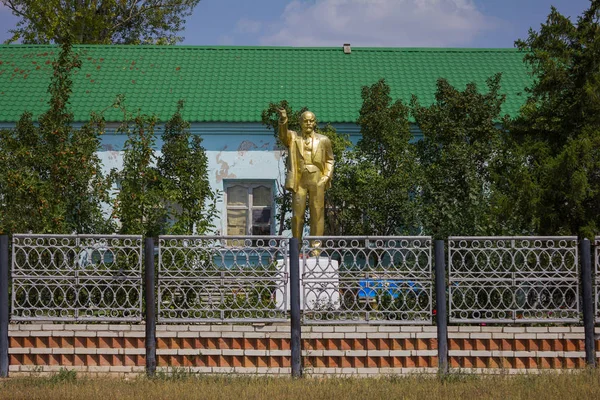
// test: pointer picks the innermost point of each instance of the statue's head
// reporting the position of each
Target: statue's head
(308, 121)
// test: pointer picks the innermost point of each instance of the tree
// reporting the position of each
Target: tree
(183, 168)
(165, 194)
(341, 146)
(462, 154)
(558, 129)
(100, 21)
(138, 204)
(377, 184)
(50, 175)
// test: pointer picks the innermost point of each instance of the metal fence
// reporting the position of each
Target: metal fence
(513, 279)
(597, 277)
(375, 280)
(76, 278)
(222, 279)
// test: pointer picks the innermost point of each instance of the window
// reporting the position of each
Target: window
(249, 208)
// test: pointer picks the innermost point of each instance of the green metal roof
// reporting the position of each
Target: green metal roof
(234, 84)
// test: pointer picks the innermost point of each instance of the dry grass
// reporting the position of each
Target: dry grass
(575, 385)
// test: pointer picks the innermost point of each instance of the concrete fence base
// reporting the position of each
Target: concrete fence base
(358, 350)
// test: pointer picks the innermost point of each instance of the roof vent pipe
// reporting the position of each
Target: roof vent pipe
(347, 49)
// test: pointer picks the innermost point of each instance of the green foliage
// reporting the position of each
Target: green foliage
(451, 182)
(463, 145)
(377, 182)
(254, 294)
(183, 168)
(51, 178)
(249, 290)
(139, 204)
(64, 375)
(100, 22)
(558, 128)
(50, 175)
(340, 146)
(171, 383)
(163, 194)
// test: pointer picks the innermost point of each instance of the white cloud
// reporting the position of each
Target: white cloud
(393, 23)
(245, 25)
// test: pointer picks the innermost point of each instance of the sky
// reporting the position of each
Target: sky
(373, 23)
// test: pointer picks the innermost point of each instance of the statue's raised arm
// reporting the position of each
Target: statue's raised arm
(284, 134)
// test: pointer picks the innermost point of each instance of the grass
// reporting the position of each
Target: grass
(546, 386)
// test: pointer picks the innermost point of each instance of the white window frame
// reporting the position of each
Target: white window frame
(249, 184)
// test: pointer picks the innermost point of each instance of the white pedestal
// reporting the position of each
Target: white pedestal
(319, 285)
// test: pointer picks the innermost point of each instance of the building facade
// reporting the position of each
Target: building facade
(225, 89)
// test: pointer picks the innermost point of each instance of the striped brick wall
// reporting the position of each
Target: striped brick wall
(91, 349)
(512, 348)
(369, 350)
(118, 350)
(263, 349)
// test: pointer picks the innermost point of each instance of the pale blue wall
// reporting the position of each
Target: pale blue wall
(235, 151)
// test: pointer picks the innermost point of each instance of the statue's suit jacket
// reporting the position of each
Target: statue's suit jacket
(321, 151)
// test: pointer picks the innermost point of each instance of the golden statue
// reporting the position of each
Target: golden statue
(309, 172)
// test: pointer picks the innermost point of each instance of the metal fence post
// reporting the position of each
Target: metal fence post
(150, 308)
(588, 301)
(4, 306)
(441, 312)
(296, 330)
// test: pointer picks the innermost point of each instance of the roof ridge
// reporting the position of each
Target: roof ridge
(324, 48)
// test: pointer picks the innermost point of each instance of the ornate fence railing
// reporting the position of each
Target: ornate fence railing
(596, 261)
(222, 279)
(76, 278)
(513, 279)
(375, 280)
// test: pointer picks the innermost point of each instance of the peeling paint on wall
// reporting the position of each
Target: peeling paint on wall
(111, 152)
(223, 171)
(245, 146)
(248, 145)
(114, 155)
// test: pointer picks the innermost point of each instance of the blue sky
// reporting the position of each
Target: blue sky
(389, 23)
